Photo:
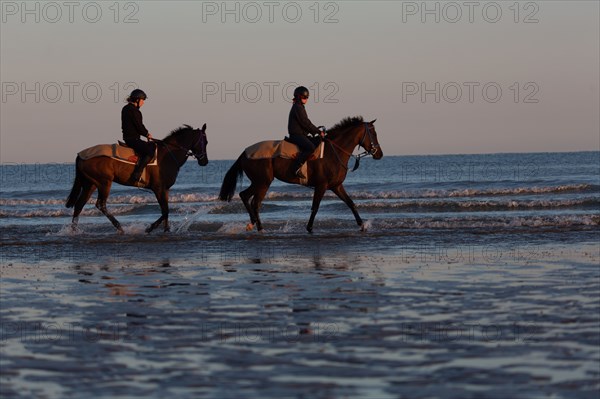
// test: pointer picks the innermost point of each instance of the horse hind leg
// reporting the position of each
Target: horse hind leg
(103, 192)
(256, 202)
(87, 191)
(246, 196)
(260, 174)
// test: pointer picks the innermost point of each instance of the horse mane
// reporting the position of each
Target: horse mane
(179, 131)
(345, 123)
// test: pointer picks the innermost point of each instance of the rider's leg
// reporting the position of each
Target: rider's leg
(145, 151)
(307, 148)
(139, 168)
(300, 160)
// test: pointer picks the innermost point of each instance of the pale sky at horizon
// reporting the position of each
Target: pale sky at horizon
(369, 59)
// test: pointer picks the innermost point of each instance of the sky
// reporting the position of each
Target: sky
(440, 77)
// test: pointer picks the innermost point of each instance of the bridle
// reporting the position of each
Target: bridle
(373, 151)
(202, 154)
(188, 151)
(374, 146)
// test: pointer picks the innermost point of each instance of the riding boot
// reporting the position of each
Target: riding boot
(297, 168)
(139, 168)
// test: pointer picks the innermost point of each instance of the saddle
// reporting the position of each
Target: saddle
(118, 151)
(279, 149)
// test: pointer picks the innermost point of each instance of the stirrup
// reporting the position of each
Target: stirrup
(135, 177)
(299, 173)
(140, 182)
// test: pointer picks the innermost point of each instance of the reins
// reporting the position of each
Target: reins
(358, 156)
(188, 151)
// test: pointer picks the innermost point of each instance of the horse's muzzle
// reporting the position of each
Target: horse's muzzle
(376, 152)
(203, 161)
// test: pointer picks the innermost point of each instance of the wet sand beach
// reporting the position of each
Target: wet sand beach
(301, 316)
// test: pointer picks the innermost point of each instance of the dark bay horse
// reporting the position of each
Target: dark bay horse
(325, 174)
(101, 172)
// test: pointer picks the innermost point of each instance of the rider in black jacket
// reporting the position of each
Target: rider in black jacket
(299, 126)
(133, 128)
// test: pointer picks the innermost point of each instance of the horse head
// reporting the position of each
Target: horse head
(199, 147)
(369, 140)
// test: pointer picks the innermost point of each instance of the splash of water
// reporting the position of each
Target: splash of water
(188, 219)
(367, 225)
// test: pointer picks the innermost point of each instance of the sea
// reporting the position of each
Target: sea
(474, 276)
(544, 193)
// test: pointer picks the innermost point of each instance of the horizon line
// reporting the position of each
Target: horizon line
(395, 155)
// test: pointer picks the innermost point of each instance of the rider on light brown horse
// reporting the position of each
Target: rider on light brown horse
(133, 128)
(298, 127)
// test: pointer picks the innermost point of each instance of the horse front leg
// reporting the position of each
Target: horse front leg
(163, 201)
(103, 192)
(101, 205)
(317, 197)
(340, 191)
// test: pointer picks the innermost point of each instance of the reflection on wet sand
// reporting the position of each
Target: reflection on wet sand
(120, 289)
(333, 324)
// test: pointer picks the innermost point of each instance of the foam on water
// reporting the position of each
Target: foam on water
(367, 225)
(67, 231)
(188, 219)
(232, 228)
(136, 229)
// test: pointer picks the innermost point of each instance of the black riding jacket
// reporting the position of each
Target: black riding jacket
(131, 123)
(298, 122)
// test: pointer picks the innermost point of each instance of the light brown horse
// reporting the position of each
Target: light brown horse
(100, 172)
(324, 174)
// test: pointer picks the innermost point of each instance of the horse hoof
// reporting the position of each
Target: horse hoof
(249, 227)
(309, 229)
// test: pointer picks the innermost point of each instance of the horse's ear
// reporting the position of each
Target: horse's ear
(204, 127)
(373, 121)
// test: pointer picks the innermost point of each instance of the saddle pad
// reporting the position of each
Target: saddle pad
(277, 149)
(114, 151)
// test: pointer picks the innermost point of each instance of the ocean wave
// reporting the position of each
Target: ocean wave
(335, 206)
(62, 212)
(34, 201)
(487, 205)
(491, 192)
(148, 198)
(444, 193)
(563, 222)
(566, 221)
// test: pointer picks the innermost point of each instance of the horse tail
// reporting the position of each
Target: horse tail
(230, 181)
(77, 186)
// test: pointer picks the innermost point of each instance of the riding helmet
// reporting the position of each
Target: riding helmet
(301, 92)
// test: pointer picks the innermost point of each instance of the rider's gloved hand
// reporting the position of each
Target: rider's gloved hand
(323, 133)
